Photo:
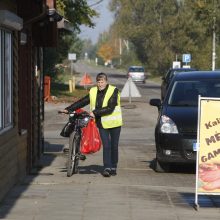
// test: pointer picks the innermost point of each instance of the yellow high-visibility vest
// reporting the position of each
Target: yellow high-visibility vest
(112, 120)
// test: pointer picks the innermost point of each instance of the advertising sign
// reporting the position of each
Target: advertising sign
(208, 154)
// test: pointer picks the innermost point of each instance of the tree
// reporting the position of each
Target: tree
(77, 12)
(163, 30)
(106, 52)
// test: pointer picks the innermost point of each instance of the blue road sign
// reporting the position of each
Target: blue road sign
(186, 58)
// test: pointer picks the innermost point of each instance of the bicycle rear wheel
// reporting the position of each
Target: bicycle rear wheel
(73, 157)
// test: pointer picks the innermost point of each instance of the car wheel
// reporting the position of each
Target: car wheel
(161, 167)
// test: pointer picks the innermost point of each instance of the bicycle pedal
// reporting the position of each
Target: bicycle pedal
(65, 150)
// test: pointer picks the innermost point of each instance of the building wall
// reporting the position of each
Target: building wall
(13, 146)
(21, 146)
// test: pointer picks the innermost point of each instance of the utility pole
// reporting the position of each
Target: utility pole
(213, 46)
(120, 50)
(213, 40)
(126, 44)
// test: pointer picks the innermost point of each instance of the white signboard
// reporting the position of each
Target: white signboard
(208, 153)
(130, 90)
(176, 64)
(71, 56)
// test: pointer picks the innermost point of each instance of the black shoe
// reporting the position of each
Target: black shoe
(113, 172)
(82, 157)
(106, 172)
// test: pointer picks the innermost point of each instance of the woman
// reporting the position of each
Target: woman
(104, 100)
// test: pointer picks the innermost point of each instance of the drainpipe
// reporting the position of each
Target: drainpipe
(37, 18)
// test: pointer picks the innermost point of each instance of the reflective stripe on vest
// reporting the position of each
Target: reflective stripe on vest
(115, 118)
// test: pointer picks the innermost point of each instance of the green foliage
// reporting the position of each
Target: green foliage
(160, 31)
(69, 43)
(60, 7)
(50, 59)
(77, 12)
(61, 91)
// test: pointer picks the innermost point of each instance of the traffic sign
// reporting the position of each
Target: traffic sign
(186, 58)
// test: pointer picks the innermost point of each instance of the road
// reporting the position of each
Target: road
(136, 193)
(138, 138)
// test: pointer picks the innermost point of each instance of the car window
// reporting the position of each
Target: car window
(172, 72)
(136, 69)
(167, 76)
(185, 93)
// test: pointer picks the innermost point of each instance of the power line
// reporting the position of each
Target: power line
(94, 4)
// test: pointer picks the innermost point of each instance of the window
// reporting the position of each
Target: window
(185, 93)
(136, 69)
(5, 79)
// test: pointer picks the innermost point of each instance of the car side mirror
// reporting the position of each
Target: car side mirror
(155, 102)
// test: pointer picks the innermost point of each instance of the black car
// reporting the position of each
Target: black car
(176, 128)
(169, 75)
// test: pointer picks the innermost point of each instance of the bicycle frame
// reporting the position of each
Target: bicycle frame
(80, 120)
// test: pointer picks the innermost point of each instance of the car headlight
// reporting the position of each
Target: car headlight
(167, 125)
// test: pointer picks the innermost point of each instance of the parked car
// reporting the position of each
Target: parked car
(176, 128)
(169, 75)
(136, 73)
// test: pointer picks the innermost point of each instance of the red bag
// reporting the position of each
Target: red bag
(90, 141)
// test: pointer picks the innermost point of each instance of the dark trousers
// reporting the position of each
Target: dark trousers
(110, 139)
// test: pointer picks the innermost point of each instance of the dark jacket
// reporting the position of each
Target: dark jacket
(99, 111)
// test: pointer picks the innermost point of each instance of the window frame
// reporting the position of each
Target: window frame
(6, 80)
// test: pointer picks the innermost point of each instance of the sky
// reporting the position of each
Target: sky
(102, 22)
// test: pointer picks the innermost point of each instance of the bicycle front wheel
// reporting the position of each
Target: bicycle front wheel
(73, 157)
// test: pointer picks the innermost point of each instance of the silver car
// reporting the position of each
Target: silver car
(137, 73)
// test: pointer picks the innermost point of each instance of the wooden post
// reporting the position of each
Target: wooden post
(70, 86)
(74, 83)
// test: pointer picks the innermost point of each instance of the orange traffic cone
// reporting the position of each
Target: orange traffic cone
(86, 80)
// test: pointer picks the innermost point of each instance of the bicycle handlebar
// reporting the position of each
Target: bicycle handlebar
(62, 112)
(74, 112)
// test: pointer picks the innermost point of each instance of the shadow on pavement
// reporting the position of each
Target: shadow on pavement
(204, 201)
(19, 191)
(52, 148)
(177, 168)
(91, 169)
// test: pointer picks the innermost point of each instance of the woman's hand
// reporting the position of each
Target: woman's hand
(64, 111)
(92, 114)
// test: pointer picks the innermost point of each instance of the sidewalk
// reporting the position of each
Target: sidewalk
(136, 193)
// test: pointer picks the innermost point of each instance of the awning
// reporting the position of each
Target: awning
(10, 20)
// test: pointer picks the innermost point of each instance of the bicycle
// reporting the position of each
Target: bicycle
(77, 120)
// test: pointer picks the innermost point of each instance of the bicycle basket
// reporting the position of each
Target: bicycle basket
(67, 129)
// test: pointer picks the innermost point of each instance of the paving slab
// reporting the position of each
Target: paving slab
(136, 193)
